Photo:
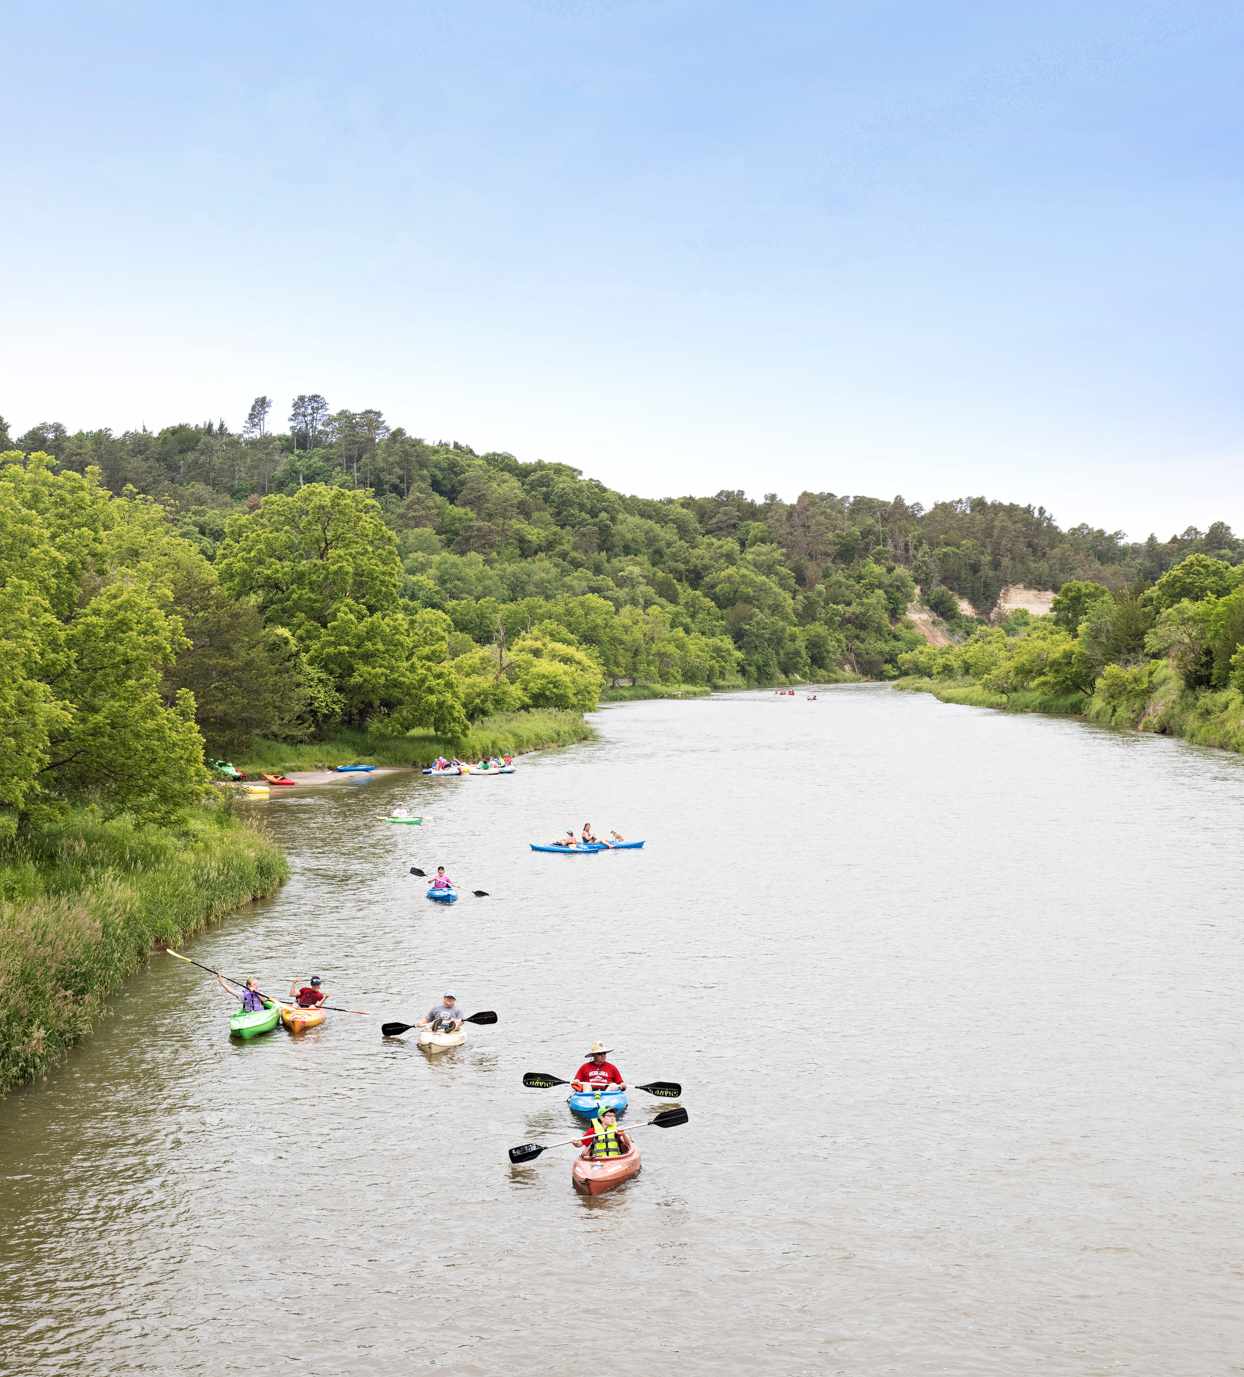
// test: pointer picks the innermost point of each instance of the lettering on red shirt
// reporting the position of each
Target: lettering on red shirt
(604, 1074)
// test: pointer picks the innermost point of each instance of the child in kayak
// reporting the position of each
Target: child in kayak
(606, 1139)
(309, 996)
(440, 880)
(596, 1073)
(567, 840)
(252, 1001)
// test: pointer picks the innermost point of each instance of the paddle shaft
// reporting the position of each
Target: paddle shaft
(242, 983)
(566, 1142)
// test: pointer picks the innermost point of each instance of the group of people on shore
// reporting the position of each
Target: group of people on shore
(586, 838)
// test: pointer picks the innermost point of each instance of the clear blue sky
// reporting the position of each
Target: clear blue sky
(929, 249)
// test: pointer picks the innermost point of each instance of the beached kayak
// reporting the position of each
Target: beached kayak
(354, 769)
(283, 780)
(439, 1042)
(443, 896)
(299, 1020)
(587, 1104)
(408, 821)
(250, 1025)
(595, 1176)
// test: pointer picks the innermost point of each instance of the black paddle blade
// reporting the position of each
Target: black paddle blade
(480, 893)
(536, 1081)
(485, 1016)
(392, 1030)
(664, 1090)
(528, 1152)
(414, 870)
(670, 1118)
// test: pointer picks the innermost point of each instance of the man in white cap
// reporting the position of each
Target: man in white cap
(596, 1073)
(444, 1017)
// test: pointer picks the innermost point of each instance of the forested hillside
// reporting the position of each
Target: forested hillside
(343, 572)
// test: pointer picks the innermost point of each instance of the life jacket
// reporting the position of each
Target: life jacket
(605, 1143)
(252, 1008)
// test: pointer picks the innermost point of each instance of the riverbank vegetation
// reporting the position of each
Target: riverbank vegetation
(1163, 657)
(83, 900)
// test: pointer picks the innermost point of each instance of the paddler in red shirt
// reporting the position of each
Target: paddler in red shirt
(309, 995)
(596, 1073)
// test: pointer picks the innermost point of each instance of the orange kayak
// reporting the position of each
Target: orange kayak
(596, 1176)
(299, 1020)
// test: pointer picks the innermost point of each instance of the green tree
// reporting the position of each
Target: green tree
(1196, 577)
(1075, 600)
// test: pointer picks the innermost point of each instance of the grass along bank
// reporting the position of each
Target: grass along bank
(83, 903)
(506, 733)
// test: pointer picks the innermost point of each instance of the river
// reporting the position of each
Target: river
(954, 996)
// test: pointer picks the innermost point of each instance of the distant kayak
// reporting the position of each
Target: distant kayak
(443, 896)
(282, 780)
(354, 769)
(442, 774)
(251, 1025)
(404, 818)
(580, 850)
(492, 770)
(589, 1104)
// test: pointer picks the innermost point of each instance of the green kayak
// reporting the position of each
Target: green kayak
(261, 1021)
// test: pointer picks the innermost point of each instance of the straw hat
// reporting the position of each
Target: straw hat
(599, 1048)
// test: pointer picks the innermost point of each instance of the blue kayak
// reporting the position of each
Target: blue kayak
(354, 769)
(589, 850)
(587, 1104)
(443, 896)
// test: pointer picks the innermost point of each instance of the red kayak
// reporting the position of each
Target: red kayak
(280, 779)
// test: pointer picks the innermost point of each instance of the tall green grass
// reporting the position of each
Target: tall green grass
(83, 902)
(505, 733)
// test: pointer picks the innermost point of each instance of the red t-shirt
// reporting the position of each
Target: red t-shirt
(308, 997)
(604, 1074)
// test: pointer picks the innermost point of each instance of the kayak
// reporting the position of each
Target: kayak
(493, 770)
(353, 769)
(595, 1176)
(254, 791)
(439, 1042)
(443, 896)
(250, 1025)
(410, 822)
(299, 1020)
(282, 780)
(579, 849)
(587, 1104)
(442, 774)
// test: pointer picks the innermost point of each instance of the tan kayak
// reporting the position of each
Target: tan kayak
(439, 1042)
(595, 1176)
(299, 1020)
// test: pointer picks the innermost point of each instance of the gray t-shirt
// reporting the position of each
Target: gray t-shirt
(445, 1012)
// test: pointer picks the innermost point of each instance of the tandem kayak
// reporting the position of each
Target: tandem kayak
(443, 896)
(579, 849)
(595, 1176)
(244, 1025)
(353, 769)
(440, 1042)
(588, 1104)
(299, 1020)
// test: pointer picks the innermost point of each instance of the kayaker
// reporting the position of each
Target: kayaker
(308, 996)
(605, 1139)
(444, 1017)
(252, 1000)
(440, 880)
(587, 839)
(567, 840)
(596, 1073)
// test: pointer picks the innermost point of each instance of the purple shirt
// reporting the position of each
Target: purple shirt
(251, 1002)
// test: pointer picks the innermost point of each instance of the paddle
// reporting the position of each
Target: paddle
(665, 1090)
(393, 1030)
(423, 875)
(242, 984)
(528, 1152)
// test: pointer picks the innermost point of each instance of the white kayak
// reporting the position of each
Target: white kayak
(439, 1042)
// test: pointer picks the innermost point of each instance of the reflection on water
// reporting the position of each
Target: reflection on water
(953, 995)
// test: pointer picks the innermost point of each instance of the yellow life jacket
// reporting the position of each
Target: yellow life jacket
(605, 1143)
